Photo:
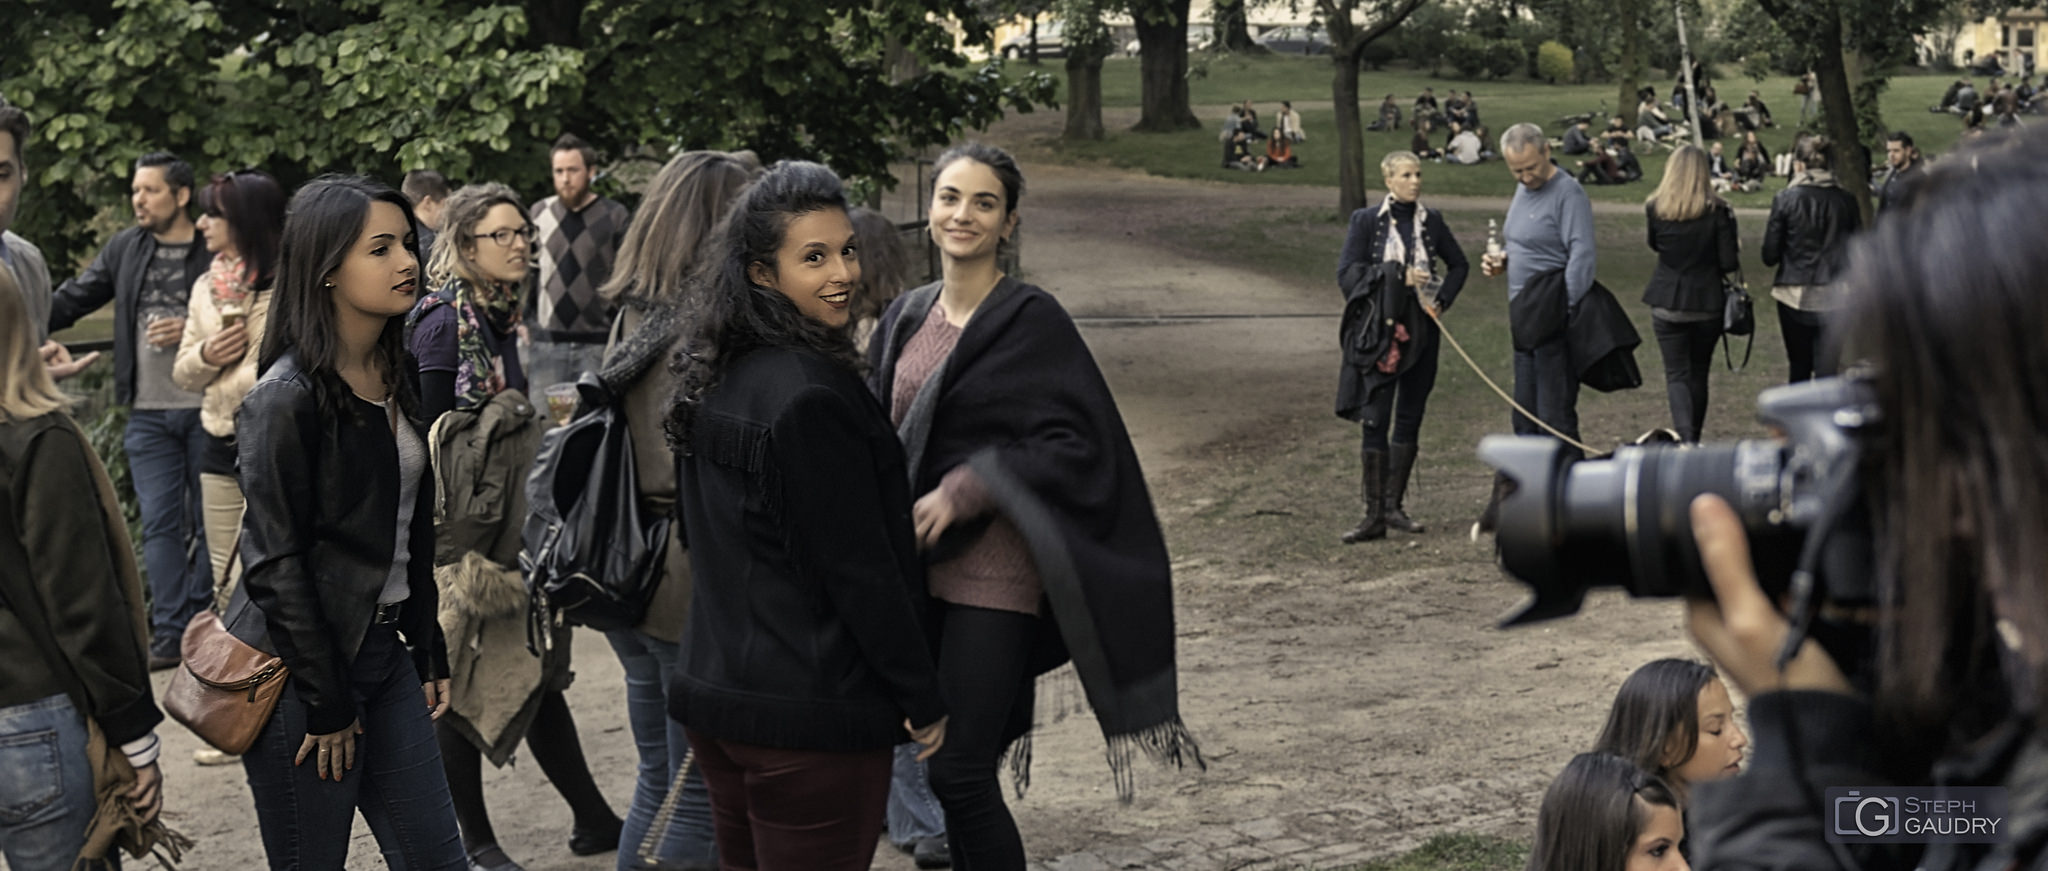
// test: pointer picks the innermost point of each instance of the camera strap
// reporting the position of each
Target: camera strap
(1591, 452)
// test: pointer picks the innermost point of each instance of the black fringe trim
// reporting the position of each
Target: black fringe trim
(1169, 743)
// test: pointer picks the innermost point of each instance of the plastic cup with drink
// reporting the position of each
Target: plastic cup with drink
(154, 315)
(561, 401)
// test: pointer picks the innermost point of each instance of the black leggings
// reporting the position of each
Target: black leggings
(552, 738)
(1803, 337)
(984, 673)
(1401, 403)
(1688, 350)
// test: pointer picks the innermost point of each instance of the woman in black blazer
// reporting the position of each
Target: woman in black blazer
(805, 656)
(338, 545)
(1693, 233)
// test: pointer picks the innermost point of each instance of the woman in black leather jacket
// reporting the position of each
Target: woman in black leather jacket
(1811, 222)
(338, 544)
(1693, 233)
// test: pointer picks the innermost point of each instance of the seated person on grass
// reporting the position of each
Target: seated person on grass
(1467, 146)
(1390, 116)
(1754, 115)
(1280, 153)
(1578, 138)
(1420, 143)
(1237, 153)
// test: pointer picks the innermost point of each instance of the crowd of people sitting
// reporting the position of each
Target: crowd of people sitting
(1241, 131)
(1998, 105)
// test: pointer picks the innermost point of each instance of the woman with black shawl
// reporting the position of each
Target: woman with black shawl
(1032, 504)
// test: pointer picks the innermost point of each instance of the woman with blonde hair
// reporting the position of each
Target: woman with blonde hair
(649, 284)
(1693, 232)
(462, 336)
(1404, 240)
(78, 589)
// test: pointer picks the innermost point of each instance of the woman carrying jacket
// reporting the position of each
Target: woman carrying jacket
(1693, 232)
(1032, 504)
(462, 336)
(1806, 236)
(338, 545)
(1399, 230)
(805, 661)
(649, 285)
(242, 213)
(62, 524)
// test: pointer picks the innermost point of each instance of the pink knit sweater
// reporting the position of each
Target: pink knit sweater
(996, 570)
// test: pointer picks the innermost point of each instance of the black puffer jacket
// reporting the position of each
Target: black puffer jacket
(1809, 227)
(319, 537)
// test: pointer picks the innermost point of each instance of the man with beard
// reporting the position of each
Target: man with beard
(147, 272)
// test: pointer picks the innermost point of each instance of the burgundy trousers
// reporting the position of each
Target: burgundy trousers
(794, 810)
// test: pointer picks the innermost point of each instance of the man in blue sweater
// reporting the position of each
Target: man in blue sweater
(1549, 228)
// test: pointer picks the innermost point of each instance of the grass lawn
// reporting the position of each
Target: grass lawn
(1267, 80)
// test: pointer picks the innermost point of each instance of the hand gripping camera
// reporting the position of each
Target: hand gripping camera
(1569, 525)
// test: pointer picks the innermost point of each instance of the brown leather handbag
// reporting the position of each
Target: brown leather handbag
(225, 689)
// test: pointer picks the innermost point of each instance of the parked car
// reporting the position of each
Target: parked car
(1199, 39)
(1052, 42)
(1296, 39)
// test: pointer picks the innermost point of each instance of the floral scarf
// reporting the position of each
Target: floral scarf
(1396, 251)
(233, 280)
(482, 320)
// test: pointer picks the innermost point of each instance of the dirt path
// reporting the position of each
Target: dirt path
(1353, 696)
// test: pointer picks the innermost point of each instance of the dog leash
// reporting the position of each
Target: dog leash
(1510, 400)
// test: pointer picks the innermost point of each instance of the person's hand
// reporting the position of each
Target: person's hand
(226, 346)
(931, 737)
(932, 514)
(437, 697)
(1739, 628)
(1417, 277)
(165, 332)
(333, 753)
(1492, 265)
(57, 359)
(147, 795)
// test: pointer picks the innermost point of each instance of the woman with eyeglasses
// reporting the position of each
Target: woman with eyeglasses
(463, 336)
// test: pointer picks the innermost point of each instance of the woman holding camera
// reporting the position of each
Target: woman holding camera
(1693, 232)
(1956, 489)
(1400, 230)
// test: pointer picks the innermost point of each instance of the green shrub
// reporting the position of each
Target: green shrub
(1504, 56)
(1554, 62)
(1467, 53)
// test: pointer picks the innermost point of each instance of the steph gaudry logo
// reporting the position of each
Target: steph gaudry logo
(1917, 815)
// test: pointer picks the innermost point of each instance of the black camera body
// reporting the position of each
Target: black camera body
(1569, 525)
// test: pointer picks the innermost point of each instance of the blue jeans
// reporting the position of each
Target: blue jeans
(46, 795)
(164, 452)
(914, 813)
(397, 782)
(649, 664)
(1546, 385)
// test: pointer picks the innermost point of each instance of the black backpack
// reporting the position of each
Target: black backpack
(590, 557)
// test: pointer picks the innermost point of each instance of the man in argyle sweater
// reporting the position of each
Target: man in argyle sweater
(579, 235)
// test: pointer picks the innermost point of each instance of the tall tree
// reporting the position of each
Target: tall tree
(1163, 104)
(1628, 15)
(1088, 42)
(1233, 27)
(1878, 34)
(474, 89)
(1348, 39)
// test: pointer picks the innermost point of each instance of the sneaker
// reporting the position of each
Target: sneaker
(210, 756)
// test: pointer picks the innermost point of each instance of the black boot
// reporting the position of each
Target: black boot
(1374, 526)
(1403, 463)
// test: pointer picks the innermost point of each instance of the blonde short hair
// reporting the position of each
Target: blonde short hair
(1396, 158)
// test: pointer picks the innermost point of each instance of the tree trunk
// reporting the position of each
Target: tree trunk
(1838, 107)
(1629, 74)
(1233, 32)
(1163, 69)
(1350, 138)
(1084, 95)
(1032, 45)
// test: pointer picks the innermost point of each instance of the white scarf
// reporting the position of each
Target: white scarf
(1396, 250)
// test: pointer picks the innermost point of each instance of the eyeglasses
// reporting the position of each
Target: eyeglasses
(504, 237)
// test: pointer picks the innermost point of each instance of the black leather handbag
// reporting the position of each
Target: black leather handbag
(1738, 318)
(591, 558)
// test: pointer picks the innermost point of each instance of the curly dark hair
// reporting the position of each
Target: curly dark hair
(727, 315)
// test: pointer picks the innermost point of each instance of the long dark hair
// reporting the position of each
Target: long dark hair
(1656, 715)
(323, 222)
(1948, 289)
(678, 214)
(1590, 817)
(729, 315)
(253, 205)
(884, 264)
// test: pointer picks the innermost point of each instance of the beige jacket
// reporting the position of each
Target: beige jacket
(222, 386)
